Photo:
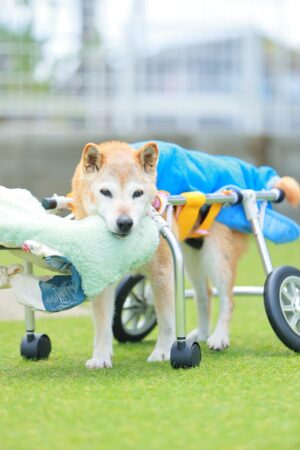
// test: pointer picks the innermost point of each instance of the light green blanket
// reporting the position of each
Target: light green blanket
(100, 257)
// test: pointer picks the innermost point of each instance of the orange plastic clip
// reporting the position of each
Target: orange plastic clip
(70, 205)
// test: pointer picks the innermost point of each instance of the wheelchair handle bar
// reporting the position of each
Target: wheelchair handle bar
(233, 197)
(56, 202)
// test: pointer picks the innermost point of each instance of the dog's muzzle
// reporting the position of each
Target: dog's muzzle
(124, 224)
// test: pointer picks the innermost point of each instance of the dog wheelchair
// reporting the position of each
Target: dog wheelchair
(134, 311)
(134, 308)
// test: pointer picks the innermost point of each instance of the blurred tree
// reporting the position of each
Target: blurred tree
(89, 33)
(23, 50)
(90, 43)
(20, 54)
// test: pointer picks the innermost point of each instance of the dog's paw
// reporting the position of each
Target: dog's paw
(159, 354)
(218, 340)
(99, 363)
(197, 335)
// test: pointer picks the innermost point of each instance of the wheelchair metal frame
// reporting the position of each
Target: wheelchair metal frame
(254, 214)
(248, 199)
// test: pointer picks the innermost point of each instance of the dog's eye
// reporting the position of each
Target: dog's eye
(138, 193)
(106, 193)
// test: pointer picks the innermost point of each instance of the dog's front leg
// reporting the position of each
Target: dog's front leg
(161, 277)
(102, 309)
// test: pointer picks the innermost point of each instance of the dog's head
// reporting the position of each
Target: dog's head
(121, 182)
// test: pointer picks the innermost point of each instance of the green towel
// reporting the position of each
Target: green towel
(100, 257)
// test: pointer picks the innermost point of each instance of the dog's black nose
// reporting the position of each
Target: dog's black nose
(124, 223)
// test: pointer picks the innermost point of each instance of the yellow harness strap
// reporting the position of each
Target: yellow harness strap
(207, 222)
(188, 214)
(209, 219)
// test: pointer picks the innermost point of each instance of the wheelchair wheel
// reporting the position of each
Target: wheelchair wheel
(282, 304)
(134, 315)
(185, 354)
(35, 346)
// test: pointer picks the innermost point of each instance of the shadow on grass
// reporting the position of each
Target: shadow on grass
(130, 364)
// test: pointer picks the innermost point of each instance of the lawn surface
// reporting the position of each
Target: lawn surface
(246, 397)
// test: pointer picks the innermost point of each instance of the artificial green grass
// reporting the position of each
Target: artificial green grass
(243, 398)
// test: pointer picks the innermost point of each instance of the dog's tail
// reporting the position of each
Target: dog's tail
(291, 189)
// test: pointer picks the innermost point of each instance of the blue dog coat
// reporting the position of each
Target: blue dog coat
(180, 170)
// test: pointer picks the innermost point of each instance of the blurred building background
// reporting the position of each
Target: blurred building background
(223, 76)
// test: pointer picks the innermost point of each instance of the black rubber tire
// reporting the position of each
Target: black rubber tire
(122, 292)
(273, 309)
(35, 346)
(185, 354)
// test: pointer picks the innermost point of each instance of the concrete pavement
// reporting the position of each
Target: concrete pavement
(10, 309)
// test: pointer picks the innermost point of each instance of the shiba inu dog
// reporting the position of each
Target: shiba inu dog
(118, 182)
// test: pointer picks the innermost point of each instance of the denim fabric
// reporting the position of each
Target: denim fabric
(62, 291)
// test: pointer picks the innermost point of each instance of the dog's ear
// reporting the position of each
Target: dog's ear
(148, 157)
(91, 158)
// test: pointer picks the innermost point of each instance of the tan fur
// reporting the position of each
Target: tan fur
(118, 161)
(232, 245)
(221, 251)
(121, 160)
(291, 189)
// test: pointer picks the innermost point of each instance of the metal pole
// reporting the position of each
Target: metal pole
(180, 317)
(248, 291)
(29, 313)
(231, 199)
(252, 214)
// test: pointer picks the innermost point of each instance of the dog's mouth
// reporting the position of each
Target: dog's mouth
(120, 235)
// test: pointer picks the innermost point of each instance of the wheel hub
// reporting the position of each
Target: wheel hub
(138, 312)
(297, 304)
(290, 302)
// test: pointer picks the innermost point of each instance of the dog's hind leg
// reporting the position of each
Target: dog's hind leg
(161, 277)
(195, 268)
(223, 249)
(219, 339)
(103, 309)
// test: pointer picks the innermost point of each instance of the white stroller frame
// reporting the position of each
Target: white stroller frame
(184, 353)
